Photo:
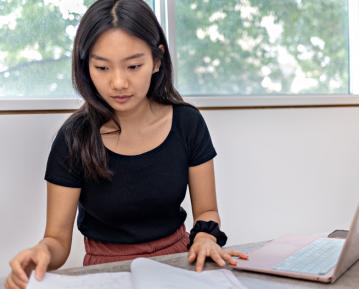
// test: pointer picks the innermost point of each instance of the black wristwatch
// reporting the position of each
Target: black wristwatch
(209, 227)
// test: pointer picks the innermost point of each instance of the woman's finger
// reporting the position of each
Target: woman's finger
(18, 270)
(191, 255)
(19, 282)
(10, 284)
(201, 258)
(228, 258)
(41, 266)
(238, 254)
(216, 257)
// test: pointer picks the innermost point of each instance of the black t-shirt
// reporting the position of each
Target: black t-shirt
(142, 202)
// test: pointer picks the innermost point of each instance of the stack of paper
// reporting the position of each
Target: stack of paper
(145, 274)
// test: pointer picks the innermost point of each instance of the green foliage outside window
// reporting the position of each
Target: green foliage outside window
(262, 46)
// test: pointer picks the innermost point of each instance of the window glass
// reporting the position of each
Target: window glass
(35, 47)
(262, 47)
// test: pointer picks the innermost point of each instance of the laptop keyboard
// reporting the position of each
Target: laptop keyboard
(318, 257)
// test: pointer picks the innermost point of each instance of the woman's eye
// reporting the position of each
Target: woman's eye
(134, 67)
(102, 68)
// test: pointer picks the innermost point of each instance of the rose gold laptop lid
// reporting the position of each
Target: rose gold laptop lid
(265, 259)
(350, 252)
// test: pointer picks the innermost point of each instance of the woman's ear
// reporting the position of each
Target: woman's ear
(157, 65)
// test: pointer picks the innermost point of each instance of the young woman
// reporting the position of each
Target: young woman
(125, 158)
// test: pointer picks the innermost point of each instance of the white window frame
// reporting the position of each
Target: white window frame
(165, 12)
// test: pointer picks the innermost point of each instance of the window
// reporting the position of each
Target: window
(233, 52)
(251, 47)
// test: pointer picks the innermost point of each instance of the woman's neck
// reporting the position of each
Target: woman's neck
(143, 114)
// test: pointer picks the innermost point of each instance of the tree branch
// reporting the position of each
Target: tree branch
(27, 64)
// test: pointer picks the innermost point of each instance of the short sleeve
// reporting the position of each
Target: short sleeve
(58, 169)
(200, 142)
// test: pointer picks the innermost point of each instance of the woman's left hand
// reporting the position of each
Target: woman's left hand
(205, 245)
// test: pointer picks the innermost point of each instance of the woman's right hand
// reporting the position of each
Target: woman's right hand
(36, 258)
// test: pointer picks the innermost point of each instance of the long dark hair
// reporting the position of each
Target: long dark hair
(82, 129)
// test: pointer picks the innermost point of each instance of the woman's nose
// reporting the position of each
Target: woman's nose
(119, 81)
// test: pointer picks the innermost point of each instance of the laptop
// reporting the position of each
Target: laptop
(313, 257)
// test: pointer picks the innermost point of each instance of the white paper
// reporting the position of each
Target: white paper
(146, 274)
(117, 280)
(149, 274)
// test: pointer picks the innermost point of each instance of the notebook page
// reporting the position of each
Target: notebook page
(118, 280)
(149, 274)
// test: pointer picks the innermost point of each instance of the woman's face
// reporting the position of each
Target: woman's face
(121, 67)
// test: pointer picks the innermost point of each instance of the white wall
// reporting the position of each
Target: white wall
(278, 171)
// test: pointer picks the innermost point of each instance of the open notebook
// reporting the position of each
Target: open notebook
(145, 274)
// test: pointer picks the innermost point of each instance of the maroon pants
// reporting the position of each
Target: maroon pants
(98, 252)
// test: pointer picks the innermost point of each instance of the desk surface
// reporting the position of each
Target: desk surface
(350, 279)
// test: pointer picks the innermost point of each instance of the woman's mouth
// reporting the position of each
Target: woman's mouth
(121, 98)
